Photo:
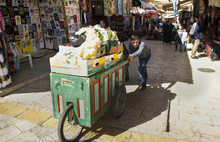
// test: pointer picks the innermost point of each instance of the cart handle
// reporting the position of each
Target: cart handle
(57, 84)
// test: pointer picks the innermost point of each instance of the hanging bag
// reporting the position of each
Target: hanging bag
(77, 40)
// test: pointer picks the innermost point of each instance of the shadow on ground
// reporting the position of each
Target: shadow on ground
(148, 111)
(141, 114)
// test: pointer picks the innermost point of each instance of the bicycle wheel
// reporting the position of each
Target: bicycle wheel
(119, 102)
(68, 129)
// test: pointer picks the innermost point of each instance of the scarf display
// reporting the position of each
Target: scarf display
(109, 7)
(120, 7)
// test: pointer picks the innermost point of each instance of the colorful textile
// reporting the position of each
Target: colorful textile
(5, 78)
(128, 6)
(2, 22)
(109, 7)
(11, 66)
(116, 6)
(120, 7)
(2, 3)
(175, 4)
(125, 7)
(83, 4)
(19, 46)
(29, 46)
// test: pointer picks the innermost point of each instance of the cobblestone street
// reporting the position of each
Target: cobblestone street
(181, 102)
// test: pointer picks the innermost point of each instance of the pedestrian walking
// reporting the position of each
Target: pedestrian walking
(184, 38)
(178, 38)
(196, 31)
(169, 32)
(165, 32)
(138, 48)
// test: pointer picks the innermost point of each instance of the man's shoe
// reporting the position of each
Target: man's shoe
(194, 57)
(127, 78)
(143, 86)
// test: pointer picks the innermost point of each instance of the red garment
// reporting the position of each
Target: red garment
(2, 26)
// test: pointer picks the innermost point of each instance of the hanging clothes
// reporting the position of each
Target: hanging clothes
(11, 65)
(2, 26)
(120, 7)
(5, 78)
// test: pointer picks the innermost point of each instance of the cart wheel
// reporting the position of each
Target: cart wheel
(68, 129)
(119, 102)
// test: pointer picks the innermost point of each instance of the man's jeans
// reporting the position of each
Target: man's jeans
(142, 70)
(184, 43)
(178, 42)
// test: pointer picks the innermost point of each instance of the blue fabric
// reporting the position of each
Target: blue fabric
(197, 34)
(142, 69)
(139, 26)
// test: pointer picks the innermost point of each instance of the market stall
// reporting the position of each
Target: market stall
(22, 24)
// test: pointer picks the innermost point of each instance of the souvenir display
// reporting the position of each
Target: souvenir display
(2, 3)
(5, 79)
(52, 22)
(83, 4)
(13, 22)
(125, 7)
(16, 11)
(10, 10)
(4, 11)
(18, 20)
(9, 2)
(120, 7)
(7, 21)
(116, 6)
(33, 43)
(14, 2)
(72, 9)
(109, 7)
(18, 16)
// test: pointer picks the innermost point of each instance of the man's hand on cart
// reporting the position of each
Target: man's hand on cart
(131, 58)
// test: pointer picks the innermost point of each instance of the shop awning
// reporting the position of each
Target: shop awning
(151, 14)
(136, 10)
(148, 5)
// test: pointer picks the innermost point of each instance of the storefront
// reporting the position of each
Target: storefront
(209, 12)
(32, 25)
(118, 16)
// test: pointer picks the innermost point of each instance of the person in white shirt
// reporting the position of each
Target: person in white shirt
(178, 38)
(184, 38)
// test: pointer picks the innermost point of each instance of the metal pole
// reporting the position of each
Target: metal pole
(133, 22)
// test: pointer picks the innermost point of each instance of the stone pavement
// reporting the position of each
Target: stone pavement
(180, 102)
(19, 123)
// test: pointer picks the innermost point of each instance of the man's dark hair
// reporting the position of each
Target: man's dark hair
(103, 21)
(134, 37)
(196, 18)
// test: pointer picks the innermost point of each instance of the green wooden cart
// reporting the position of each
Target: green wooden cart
(81, 101)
